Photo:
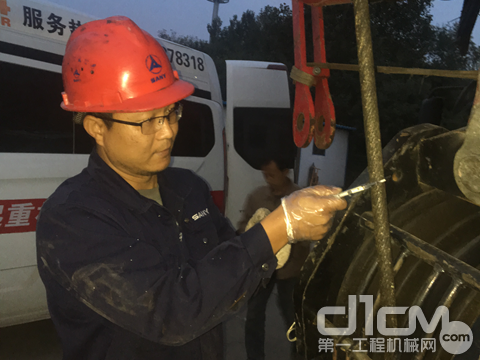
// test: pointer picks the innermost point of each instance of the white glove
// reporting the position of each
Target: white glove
(309, 212)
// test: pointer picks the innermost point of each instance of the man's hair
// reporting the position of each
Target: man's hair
(78, 118)
(281, 163)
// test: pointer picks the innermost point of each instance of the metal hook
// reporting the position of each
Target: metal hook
(292, 328)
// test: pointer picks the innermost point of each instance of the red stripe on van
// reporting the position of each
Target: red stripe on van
(219, 200)
(18, 216)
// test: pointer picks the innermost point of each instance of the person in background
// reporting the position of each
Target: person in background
(275, 172)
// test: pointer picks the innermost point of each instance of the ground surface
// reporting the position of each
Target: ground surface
(38, 340)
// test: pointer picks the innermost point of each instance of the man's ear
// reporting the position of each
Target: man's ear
(95, 127)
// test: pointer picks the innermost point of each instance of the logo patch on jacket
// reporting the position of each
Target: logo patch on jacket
(200, 214)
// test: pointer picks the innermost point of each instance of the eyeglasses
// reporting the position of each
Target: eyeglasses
(154, 124)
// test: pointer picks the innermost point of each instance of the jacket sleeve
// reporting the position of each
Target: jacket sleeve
(134, 285)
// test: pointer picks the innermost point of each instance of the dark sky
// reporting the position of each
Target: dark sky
(190, 17)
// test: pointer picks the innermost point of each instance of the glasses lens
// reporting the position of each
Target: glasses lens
(176, 114)
(148, 127)
(156, 123)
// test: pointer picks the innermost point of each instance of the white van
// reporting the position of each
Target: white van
(40, 146)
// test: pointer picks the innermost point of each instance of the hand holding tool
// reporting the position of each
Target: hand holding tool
(360, 188)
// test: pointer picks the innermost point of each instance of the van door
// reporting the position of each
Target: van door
(258, 124)
(38, 144)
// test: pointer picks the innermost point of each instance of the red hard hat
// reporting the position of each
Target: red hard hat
(112, 65)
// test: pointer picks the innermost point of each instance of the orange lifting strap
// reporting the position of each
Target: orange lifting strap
(311, 120)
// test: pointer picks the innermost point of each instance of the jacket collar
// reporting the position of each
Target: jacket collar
(173, 187)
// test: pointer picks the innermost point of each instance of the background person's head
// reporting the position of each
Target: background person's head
(275, 171)
(114, 71)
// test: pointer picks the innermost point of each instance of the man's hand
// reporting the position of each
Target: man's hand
(304, 215)
(309, 212)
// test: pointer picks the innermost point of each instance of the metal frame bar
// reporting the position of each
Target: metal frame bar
(374, 155)
(433, 256)
(457, 74)
(446, 301)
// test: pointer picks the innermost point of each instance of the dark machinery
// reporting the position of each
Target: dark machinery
(435, 234)
(413, 243)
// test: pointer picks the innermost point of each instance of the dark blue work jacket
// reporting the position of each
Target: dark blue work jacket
(127, 278)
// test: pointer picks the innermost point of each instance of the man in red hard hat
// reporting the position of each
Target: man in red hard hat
(121, 246)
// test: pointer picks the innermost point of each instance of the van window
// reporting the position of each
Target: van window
(83, 143)
(263, 132)
(196, 133)
(32, 120)
(317, 151)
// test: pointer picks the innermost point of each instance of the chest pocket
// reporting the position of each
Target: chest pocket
(200, 236)
(157, 228)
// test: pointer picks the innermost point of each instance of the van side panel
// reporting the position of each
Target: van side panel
(195, 67)
(37, 21)
(26, 180)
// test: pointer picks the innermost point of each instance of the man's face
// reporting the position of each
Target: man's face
(275, 178)
(134, 153)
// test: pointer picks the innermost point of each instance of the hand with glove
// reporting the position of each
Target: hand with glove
(304, 215)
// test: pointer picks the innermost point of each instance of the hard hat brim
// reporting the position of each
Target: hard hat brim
(180, 89)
